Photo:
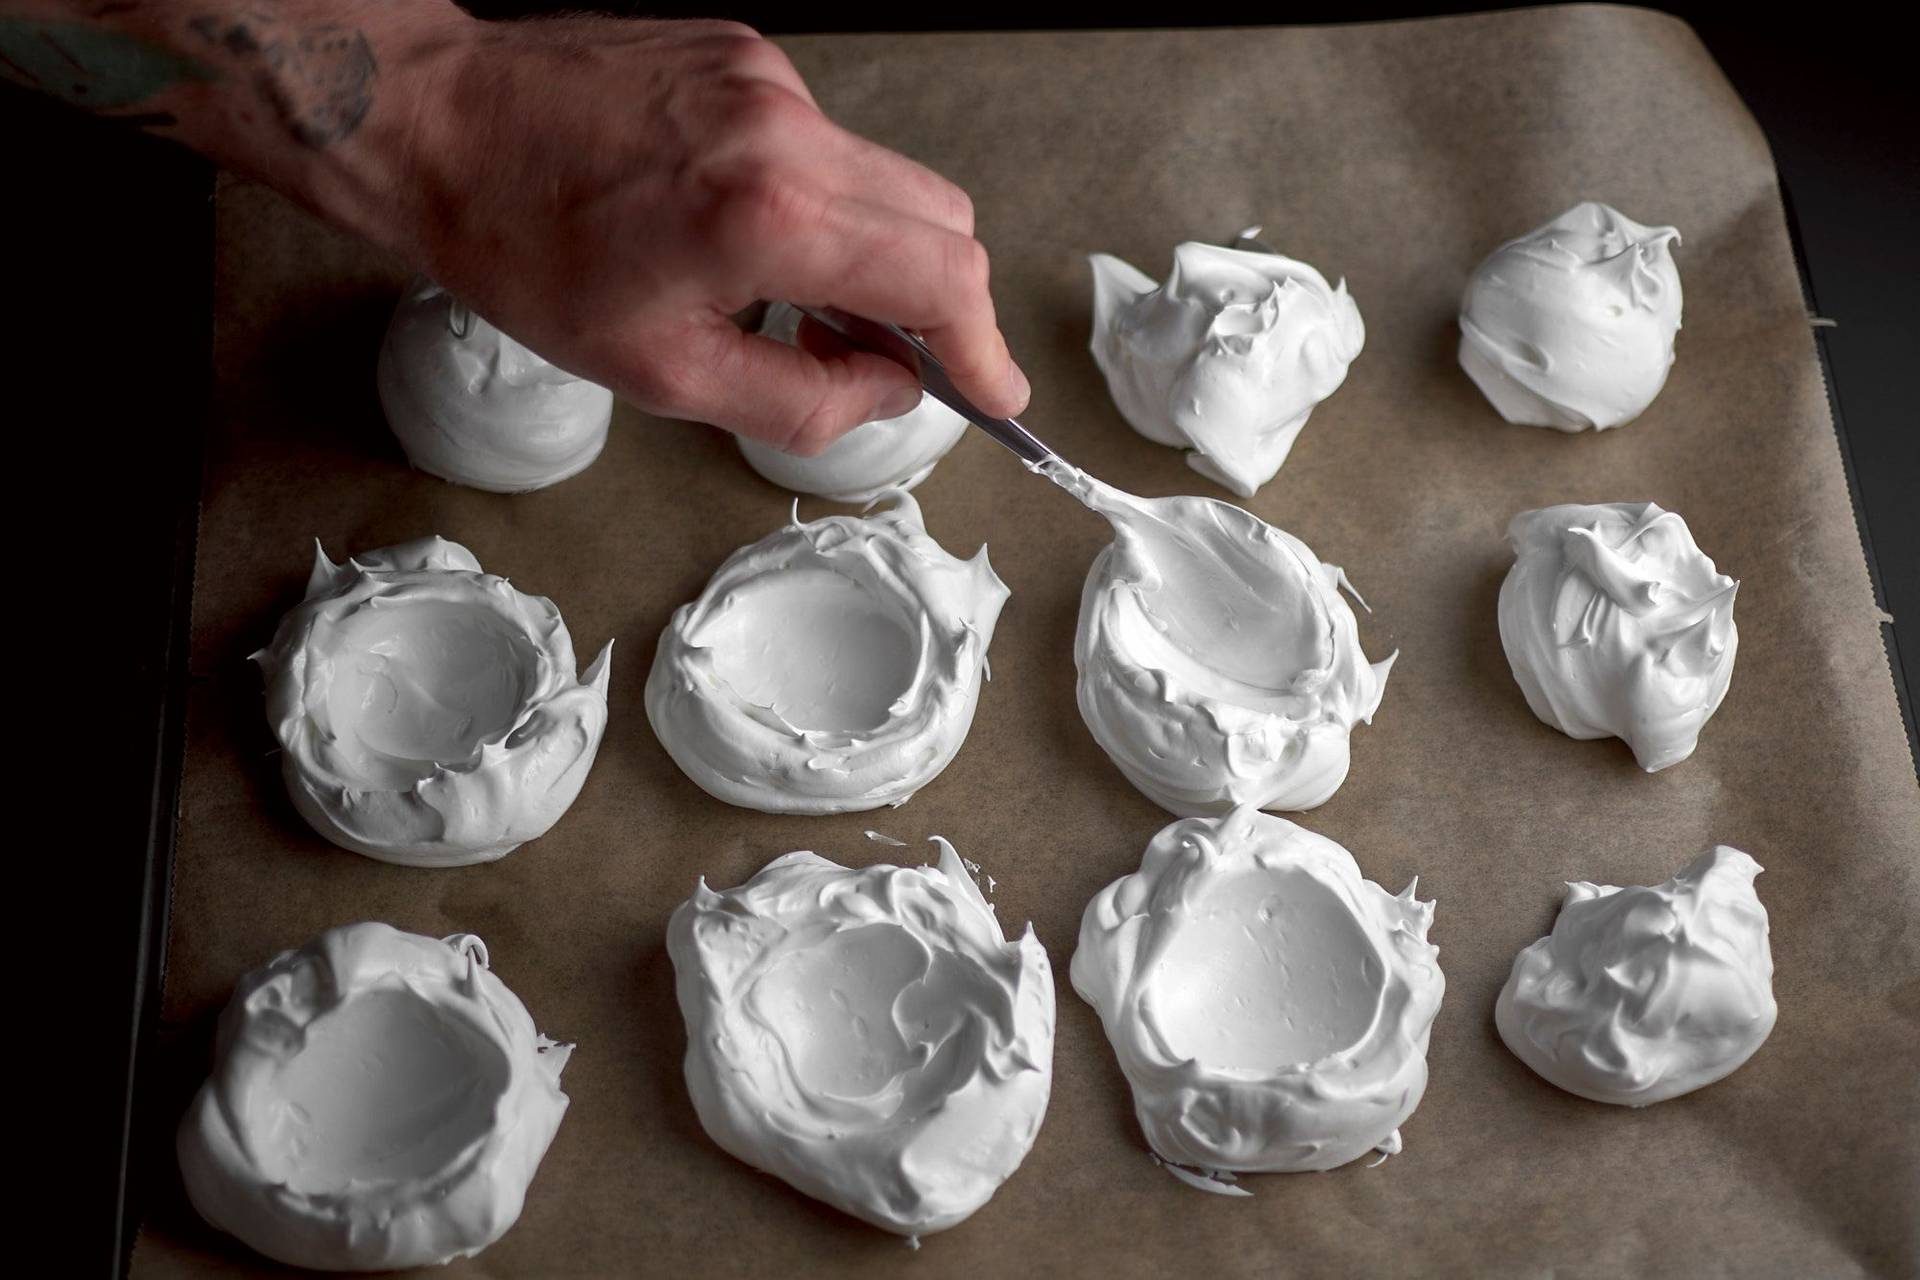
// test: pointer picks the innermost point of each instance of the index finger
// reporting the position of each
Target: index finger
(876, 262)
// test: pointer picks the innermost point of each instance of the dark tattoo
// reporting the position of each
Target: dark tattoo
(90, 66)
(319, 80)
(236, 39)
(323, 83)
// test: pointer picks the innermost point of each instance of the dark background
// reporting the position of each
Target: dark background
(108, 306)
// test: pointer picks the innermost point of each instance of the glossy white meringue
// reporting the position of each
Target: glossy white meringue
(1219, 665)
(1617, 625)
(1645, 993)
(1571, 326)
(471, 405)
(868, 1035)
(428, 713)
(830, 667)
(889, 453)
(1269, 1006)
(378, 1100)
(1227, 358)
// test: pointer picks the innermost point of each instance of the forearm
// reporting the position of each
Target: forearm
(609, 191)
(320, 98)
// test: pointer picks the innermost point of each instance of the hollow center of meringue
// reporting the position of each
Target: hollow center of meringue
(386, 1087)
(832, 1006)
(1269, 969)
(430, 681)
(1232, 597)
(821, 650)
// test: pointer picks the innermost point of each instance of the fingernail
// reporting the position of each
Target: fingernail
(899, 401)
(1017, 386)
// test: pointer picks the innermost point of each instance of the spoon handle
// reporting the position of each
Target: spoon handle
(906, 348)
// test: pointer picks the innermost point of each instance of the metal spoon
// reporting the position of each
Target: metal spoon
(905, 348)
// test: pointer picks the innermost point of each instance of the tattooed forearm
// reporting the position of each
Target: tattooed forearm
(91, 66)
(319, 80)
(344, 105)
(316, 79)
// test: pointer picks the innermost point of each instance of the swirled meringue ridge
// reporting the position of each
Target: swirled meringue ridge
(830, 667)
(471, 405)
(1227, 358)
(869, 1036)
(1269, 1006)
(1218, 664)
(428, 712)
(379, 1100)
(1645, 993)
(1571, 326)
(1616, 625)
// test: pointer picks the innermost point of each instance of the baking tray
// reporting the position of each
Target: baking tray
(1470, 130)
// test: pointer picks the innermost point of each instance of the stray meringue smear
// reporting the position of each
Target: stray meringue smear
(379, 1100)
(1571, 326)
(1219, 665)
(471, 405)
(1227, 358)
(1616, 625)
(830, 667)
(1645, 993)
(1269, 1006)
(890, 453)
(428, 712)
(868, 1035)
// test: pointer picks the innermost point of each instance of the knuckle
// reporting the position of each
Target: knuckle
(959, 206)
(818, 427)
(967, 265)
(760, 112)
(728, 29)
(823, 409)
(658, 384)
(750, 55)
(760, 205)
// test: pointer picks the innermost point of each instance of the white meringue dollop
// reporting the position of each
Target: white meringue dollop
(1571, 326)
(1617, 625)
(1219, 665)
(429, 713)
(889, 453)
(1645, 993)
(378, 1100)
(1227, 358)
(868, 1035)
(1269, 1006)
(471, 405)
(830, 667)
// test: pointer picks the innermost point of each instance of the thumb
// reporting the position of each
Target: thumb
(797, 400)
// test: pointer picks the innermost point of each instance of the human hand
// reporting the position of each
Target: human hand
(612, 191)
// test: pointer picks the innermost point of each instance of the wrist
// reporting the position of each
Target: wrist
(352, 115)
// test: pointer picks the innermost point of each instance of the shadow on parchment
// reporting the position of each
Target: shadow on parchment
(653, 981)
(325, 350)
(1486, 652)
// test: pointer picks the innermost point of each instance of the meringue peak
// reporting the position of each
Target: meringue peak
(1218, 663)
(429, 713)
(1644, 993)
(1571, 326)
(1617, 625)
(1227, 358)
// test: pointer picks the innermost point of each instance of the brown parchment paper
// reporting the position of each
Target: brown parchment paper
(1395, 155)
